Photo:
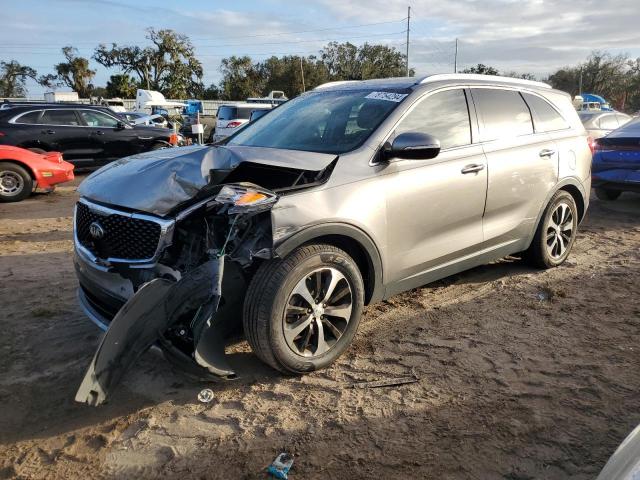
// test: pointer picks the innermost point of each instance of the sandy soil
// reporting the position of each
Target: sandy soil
(523, 374)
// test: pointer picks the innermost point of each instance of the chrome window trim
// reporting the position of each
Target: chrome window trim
(167, 227)
(43, 109)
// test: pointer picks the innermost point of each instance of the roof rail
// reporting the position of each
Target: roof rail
(474, 76)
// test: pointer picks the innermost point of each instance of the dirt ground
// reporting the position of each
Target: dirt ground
(522, 374)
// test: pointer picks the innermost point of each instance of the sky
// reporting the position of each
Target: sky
(535, 36)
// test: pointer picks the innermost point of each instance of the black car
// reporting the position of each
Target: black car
(86, 135)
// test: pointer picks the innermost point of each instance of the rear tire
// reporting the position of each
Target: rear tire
(555, 234)
(607, 195)
(15, 183)
(302, 312)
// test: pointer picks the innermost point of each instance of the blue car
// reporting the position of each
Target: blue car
(616, 162)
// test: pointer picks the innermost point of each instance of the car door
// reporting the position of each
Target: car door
(522, 165)
(61, 129)
(113, 137)
(434, 207)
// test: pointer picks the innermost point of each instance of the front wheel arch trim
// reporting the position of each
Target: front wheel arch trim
(336, 234)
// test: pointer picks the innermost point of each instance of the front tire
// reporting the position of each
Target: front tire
(556, 232)
(15, 183)
(607, 195)
(302, 312)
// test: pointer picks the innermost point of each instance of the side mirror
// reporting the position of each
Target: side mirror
(413, 146)
(120, 126)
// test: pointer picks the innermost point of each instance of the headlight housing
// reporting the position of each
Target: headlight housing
(244, 197)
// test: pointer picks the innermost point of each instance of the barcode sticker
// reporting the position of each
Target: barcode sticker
(388, 96)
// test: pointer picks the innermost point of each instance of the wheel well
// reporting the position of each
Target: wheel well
(359, 255)
(577, 197)
(20, 164)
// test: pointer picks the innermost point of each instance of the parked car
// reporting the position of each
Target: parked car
(230, 117)
(113, 104)
(141, 118)
(86, 135)
(341, 197)
(601, 123)
(23, 171)
(616, 162)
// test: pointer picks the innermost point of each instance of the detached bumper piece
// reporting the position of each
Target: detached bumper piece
(142, 320)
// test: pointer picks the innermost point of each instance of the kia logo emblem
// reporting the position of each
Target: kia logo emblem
(96, 230)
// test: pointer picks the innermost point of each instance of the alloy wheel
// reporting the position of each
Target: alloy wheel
(317, 312)
(560, 230)
(11, 183)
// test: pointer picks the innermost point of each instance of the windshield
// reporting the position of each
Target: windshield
(327, 122)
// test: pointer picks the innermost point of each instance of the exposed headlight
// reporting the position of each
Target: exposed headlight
(245, 197)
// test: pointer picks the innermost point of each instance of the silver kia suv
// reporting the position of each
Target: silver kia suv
(341, 197)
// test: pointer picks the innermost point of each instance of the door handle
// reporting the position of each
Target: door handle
(99, 132)
(472, 168)
(48, 132)
(547, 152)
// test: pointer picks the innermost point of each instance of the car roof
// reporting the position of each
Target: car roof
(414, 82)
(40, 106)
(255, 106)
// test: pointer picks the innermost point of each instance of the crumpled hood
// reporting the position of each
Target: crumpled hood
(157, 181)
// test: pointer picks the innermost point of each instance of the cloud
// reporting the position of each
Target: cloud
(525, 35)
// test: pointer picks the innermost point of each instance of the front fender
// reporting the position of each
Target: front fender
(366, 244)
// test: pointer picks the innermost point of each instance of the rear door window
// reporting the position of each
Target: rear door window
(608, 122)
(545, 117)
(29, 117)
(444, 115)
(60, 117)
(503, 112)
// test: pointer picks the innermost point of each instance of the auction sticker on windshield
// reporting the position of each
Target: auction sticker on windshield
(389, 96)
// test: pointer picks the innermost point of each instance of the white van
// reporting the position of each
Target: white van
(230, 117)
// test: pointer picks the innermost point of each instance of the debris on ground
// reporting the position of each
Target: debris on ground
(390, 382)
(281, 466)
(205, 395)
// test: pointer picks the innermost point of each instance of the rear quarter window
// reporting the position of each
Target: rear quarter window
(504, 113)
(29, 117)
(545, 117)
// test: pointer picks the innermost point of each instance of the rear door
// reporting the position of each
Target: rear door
(522, 165)
(62, 129)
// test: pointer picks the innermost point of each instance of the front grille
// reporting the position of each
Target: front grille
(123, 237)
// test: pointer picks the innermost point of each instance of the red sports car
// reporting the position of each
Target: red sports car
(22, 171)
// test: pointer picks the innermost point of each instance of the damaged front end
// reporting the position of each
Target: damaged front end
(169, 265)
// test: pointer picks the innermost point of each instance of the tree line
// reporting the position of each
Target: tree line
(170, 65)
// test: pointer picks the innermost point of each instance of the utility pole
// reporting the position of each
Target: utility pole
(455, 59)
(408, 26)
(302, 73)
